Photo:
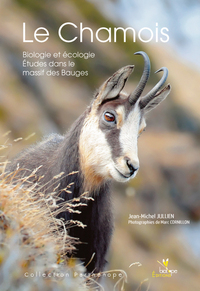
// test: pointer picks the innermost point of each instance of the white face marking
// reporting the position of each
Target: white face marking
(129, 136)
(96, 152)
(94, 148)
(121, 116)
(128, 140)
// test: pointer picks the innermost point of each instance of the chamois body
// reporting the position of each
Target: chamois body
(58, 154)
(100, 146)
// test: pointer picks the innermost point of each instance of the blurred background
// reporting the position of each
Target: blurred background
(169, 151)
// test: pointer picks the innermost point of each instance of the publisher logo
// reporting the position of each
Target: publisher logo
(165, 263)
(164, 270)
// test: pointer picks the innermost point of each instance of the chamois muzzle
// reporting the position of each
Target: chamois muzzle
(131, 167)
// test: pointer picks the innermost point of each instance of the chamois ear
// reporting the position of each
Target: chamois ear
(114, 85)
(148, 105)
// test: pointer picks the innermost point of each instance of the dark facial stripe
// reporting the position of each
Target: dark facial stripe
(112, 133)
(112, 138)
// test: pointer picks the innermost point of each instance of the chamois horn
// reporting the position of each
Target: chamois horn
(145, 76)
(151, 94)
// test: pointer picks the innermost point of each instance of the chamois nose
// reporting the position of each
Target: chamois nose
(132, 168)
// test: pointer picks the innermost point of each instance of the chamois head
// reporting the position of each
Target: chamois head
(108, 140)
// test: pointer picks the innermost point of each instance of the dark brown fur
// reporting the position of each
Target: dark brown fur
(59, 154)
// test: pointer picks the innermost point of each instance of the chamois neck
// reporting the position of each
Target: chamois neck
(89, 163)
(84, 179)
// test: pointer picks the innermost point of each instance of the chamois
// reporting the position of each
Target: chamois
(101, 146)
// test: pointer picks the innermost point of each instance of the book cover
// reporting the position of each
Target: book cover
(54, 58)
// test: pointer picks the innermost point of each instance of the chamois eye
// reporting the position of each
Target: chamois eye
(109, 117)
